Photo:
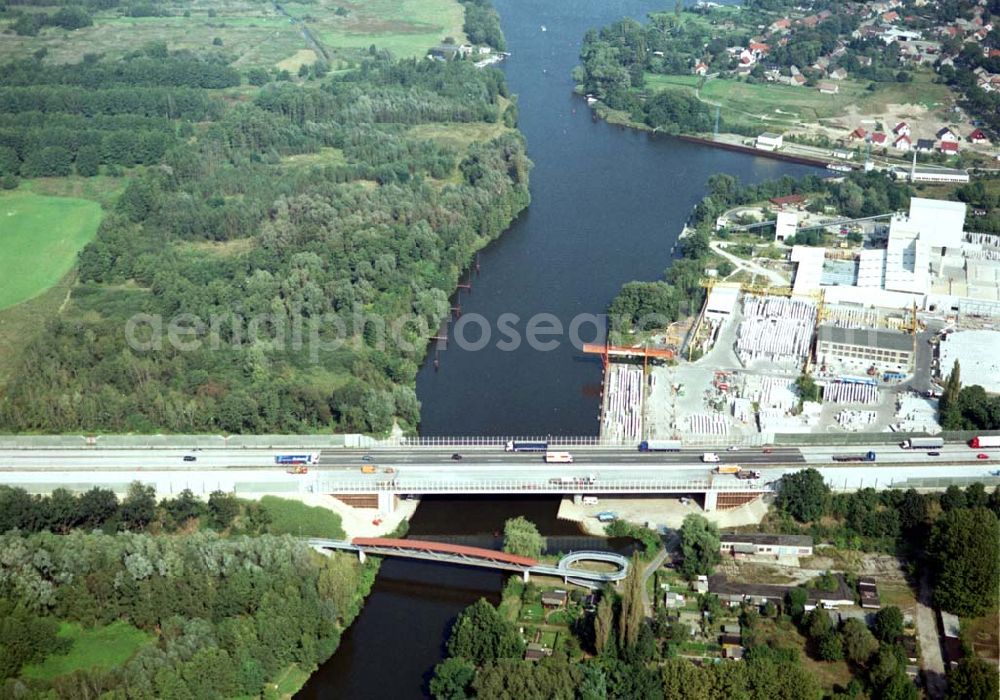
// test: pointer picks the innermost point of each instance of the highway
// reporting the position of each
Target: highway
(482, 470)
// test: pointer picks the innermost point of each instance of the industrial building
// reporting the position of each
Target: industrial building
(756, 544)
(928, 260)
(976, 353)
(863, 348)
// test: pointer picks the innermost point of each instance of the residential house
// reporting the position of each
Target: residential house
(925, 145)
(858, 134)
(828, 88)
(758, 49)
(946, 134)
(879, 138)
(700, 68)
(891, 16)
(673, 600)
(902, 143)
(732, 651)
(978, 136)
(554, 599)
(869, 594)
(901, 129)
(949, 148)
(700, 584)
(781, 25)
(838, 74)
(864, 61)
(536, 652)
(798, 80)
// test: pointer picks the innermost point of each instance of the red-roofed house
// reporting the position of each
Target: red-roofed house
(759, 48)
(901, 129)
(781, 24)
(701, 68)
(949, 147)
(902, 143)
(978, 136)
(890, 16)
(858, 134)
(878, 138)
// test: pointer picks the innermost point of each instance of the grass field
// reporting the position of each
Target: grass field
(404, 27)
(40, 237)
(786, 106)
(294, 518)
(99, 647)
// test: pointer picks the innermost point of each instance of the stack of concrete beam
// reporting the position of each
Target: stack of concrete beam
(710, 424)
(776, 329)
(856, 420)
(623, 412)
(850, 392)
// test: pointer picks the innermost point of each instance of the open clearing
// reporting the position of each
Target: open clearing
(404, 27)
(99, 647)
(787, 107)
(39, 239)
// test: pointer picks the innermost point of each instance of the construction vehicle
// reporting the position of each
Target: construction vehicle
(728, 469)
(369, 469)
(748, 474)
(299, 469)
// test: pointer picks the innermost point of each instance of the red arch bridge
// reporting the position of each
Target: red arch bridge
(566, 568)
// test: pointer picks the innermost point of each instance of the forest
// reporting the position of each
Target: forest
(215, 609)
(308, 236)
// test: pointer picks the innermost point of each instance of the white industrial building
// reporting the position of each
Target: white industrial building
(926, 261)
(977, 353)
(786, 225)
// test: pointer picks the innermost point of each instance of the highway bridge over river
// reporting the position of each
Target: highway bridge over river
(484, 468)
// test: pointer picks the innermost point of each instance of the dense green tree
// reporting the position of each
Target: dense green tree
(803, 495)
(699, 540)
(631, 616)
(138, 508)
(521, 537)
(859, 643)
(962, 553)
(88, 161)
(452, 679)
(604, 629)
(972, 679)
(223, 509)
(481, 634)
(888, 624)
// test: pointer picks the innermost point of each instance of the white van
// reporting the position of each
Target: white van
(558, 457)
(710, 457)
(589, 500)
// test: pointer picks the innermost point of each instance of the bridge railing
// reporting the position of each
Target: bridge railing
(520, 485)
(754, 440)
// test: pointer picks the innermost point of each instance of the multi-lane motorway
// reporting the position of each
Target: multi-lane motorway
(482, 469)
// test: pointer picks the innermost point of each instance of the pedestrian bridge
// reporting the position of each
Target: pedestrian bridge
(566, 568)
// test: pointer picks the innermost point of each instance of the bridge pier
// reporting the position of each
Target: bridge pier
(526, 575)
(386, 502)
(711, 500)
(361, 556)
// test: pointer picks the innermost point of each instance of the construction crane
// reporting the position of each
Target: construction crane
(913, 325)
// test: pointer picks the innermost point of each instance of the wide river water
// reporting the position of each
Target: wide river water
(607, 206)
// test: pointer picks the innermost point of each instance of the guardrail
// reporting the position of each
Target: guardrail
(517, 486)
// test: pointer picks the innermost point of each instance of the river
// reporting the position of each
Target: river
(607, 206)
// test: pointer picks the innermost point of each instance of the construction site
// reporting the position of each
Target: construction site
(856, 343)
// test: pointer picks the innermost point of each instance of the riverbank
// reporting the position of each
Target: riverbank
(658, 513)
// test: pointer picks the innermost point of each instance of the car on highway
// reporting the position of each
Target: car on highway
(982, 455)
(367, 458)
(768, 450)
(933, 454)
(456, 457)
(190, 458)
(732, 448)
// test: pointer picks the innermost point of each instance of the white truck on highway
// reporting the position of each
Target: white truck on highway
(710, 457)
(922, 443)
